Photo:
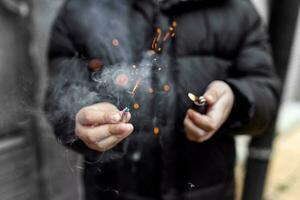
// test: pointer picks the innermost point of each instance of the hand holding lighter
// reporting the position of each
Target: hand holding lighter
(199, 103)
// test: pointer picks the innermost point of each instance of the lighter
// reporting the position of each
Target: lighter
(199, 103)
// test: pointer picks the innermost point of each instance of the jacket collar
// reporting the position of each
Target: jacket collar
(168, 4)
(148, 7)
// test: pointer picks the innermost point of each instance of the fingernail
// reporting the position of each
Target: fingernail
(116, 117)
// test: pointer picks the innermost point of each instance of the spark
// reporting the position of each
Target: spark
(122, 79)
(156, 130)
(136, 106)
(136, 86)
(174, 24)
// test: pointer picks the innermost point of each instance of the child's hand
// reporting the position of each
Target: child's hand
(220, 98)
(101, 126)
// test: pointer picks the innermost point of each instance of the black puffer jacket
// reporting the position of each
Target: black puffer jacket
(215, 40)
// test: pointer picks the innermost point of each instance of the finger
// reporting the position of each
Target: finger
(192, 130)
(108, 143)
(95, 134)
(201, 121)
(92, 134)
(89, 116)
(206, 137)
(120, 129)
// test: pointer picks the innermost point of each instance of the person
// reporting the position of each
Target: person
(163, 149)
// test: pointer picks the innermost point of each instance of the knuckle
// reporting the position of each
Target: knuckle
(87, 116)
(107, 117)
(82, 114)
(90, 138)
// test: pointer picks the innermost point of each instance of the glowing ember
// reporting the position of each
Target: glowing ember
(122, 80)
(167, 88)
(115, 42)
(156, 130)
(174, 24)
(158, 39)
(192, 97)
(136, 106)
(95, 65)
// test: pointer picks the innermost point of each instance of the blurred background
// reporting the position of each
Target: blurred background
(33, 166)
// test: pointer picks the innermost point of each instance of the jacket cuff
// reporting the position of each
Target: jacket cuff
(243, 108)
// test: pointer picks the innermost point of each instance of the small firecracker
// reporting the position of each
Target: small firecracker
(199, 103)
(124, 114)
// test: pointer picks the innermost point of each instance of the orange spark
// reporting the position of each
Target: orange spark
(174, 24)
(158, 31)
(156, 130)
(136, 106)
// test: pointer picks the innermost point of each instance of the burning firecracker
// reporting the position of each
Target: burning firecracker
(124, 114)
(132, 77)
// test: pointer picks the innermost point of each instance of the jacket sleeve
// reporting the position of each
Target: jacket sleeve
(253, 80)
(67, 76)
(69, 87)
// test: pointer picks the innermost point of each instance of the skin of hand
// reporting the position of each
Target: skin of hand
(220, 98)
(101, 126)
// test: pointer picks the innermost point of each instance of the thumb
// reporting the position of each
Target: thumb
(211, 95)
